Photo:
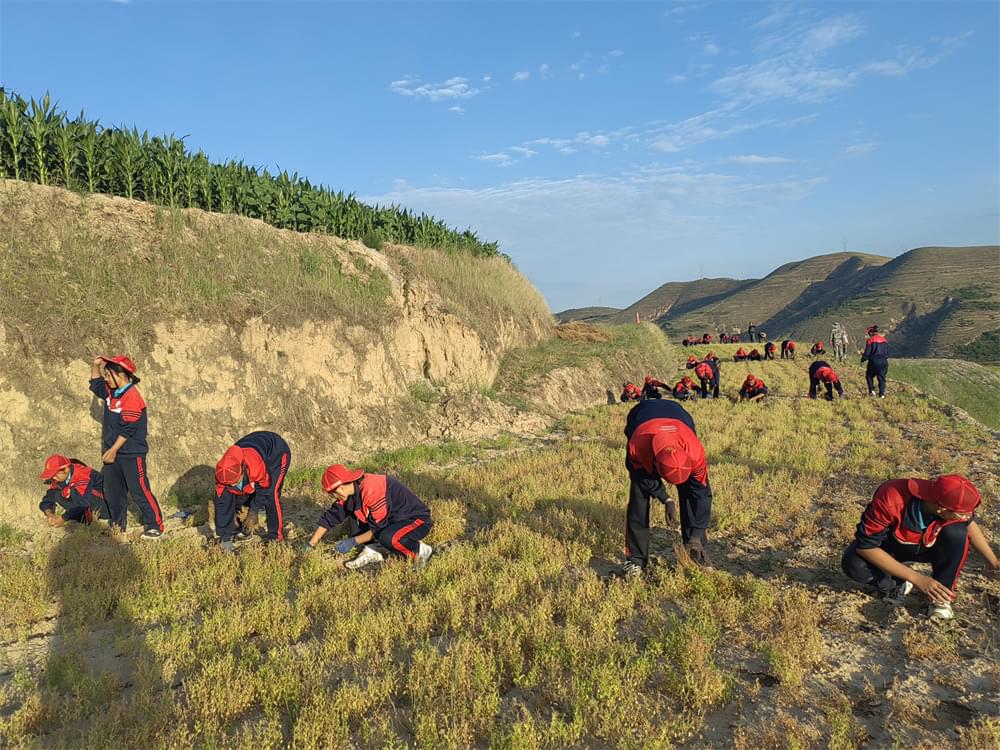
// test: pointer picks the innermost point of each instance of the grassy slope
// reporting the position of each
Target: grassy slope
(74, 267)
(513, 637)
(971, 387)
(909, 296)
(587, 314)
(765, 298)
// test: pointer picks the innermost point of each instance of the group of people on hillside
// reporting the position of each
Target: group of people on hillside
(908, 520)
(752, 333)
(249, 476)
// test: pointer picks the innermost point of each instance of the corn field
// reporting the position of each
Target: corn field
(39, 143)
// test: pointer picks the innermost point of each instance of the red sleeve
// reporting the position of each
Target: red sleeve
(881, 515)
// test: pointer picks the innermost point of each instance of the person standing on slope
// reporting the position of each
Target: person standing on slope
(821, 372)
(837, 341)
(917, 520)
(377, 507)
(124, 442)
(252, 473)
(664, 447)
(876, 353)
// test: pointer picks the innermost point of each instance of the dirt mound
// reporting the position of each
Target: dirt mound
(578, 332)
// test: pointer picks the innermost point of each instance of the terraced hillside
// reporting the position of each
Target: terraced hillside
(518, 634)
(674, 299)
(787, 287)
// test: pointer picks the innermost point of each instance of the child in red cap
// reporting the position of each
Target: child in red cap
(917, 520)
(821, 372)
(124, 443)
(376, 507)
(663, 447)
(74, 487)
(753, 388)
(630, 392)
(251, 473)
(651, 387)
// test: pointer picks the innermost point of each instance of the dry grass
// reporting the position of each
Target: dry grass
(581, 332)
(513, 636)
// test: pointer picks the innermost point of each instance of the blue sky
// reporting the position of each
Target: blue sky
(609, 147)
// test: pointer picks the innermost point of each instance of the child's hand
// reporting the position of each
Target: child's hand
(109, 456)
(55, 521)
(346, 545)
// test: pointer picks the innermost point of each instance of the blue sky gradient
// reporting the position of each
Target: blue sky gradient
(609, 147)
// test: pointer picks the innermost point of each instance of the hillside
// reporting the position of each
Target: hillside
(931, 299)
(787, 287)
(518, 634)
(237, 326)
(587, 314)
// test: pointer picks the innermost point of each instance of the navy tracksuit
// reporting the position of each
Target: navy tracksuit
(266, 460)
(79, 496)
(894, 522)
(694, 495)
(876, 354)
(125, 415)
(386, 507)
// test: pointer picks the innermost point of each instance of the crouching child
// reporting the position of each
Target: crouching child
(74, 487)
(377, 508)
(918, 520)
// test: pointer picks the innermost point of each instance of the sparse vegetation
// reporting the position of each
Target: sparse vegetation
(514, 636)
(969, 386)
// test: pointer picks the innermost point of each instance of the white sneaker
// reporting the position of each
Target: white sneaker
(631, 571)
(424, 554)
(367, 556)
(871, 393)
(937, 611)
(898, 593)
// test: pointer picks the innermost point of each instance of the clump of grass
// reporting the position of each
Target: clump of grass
(795, 645)
(11, 536)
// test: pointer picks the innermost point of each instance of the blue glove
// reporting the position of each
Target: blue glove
(346, 545)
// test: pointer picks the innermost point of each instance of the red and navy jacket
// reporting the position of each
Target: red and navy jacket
(754, 355)
(684, 385)
(705, 371)
(83, 488)
(895, 514)
(631, 392)
(124, 415)
(651, 389)
(753, 387)
(650, 418)
(740, 355)
(266, 457)
(378, 501)
(817, 348)
(876, 347)
(692, 361)
(769, 346)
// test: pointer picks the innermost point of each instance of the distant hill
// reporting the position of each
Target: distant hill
(934, 301)
(588, 314)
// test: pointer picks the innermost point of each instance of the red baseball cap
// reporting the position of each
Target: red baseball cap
(229, 470)
(673, 465)
(53, 465)
(951, 491)
(122, 360)
(338, 474)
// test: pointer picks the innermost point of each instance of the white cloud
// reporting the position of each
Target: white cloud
(576, 34)
(755, 160)
(860, 149)
(457, 109)
(499, 159)
(678, 78)
(487, 78)
(453, 88)
(544, 71)
(616, 53)
(600, 141)
(522, 75)
(559, 231)
(580, 76)
(909, 58)
(711, 48)
(524, 151)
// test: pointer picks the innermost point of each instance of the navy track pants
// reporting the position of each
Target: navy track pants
(127, 476)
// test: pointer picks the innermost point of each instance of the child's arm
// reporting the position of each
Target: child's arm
(979, 543)
(881, 559)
